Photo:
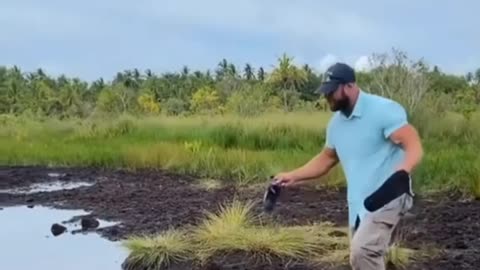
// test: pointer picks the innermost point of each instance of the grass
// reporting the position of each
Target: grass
(236, 230)
(400, 256)
(159, 251)
(227, 147)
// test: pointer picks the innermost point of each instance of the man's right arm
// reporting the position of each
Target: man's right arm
(318, 166)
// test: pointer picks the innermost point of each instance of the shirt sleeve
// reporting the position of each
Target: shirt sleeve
(394, 118)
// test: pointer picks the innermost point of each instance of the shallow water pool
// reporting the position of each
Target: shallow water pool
(46, 187)
(27, 242)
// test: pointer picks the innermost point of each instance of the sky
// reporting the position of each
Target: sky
(91, 39)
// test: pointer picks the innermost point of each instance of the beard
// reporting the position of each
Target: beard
(342, 105)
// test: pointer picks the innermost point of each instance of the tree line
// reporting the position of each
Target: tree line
(227, 88)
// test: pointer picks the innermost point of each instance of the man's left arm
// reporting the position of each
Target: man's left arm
(399, 131)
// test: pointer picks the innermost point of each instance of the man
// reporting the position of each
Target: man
(378, 149)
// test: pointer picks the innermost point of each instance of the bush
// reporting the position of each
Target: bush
(250, 101)
(175, 106)
(205, 100)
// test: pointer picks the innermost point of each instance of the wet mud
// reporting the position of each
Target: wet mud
(150, 201)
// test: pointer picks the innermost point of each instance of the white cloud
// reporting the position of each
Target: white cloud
(326, 61)
(363, 63)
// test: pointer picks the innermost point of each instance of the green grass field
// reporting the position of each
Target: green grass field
(239, 150)
(227, 147)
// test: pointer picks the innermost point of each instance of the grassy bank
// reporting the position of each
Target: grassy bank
(234, 235)
(228, 147)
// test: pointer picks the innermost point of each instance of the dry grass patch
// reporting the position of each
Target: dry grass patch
(399, 256)
(209, 184)
(235, 235)
(157, 252)
(236, 230)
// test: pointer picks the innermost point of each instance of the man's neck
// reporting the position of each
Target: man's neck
(353, 100)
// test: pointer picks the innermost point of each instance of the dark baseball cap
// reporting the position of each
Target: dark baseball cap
(336, 74)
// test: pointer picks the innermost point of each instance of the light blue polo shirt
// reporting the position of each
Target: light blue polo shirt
(366, 154)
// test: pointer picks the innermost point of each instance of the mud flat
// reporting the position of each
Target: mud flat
(150, 201)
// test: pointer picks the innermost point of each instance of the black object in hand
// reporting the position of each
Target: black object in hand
(271, 196)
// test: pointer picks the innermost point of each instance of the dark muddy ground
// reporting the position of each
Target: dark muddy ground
(151, 201)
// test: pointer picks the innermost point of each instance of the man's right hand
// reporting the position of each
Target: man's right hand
(315, 168)
(284, 179)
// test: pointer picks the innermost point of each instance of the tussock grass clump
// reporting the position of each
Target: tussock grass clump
(235, 235)
(399, 256)
(235, 229)
(157, 252)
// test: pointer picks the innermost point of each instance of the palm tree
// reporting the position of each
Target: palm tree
(232, 70)
(288, 77)
(261, 74)
(185, 71)
(248, 72)
(148, 73)
(222, 69)
(477, 75)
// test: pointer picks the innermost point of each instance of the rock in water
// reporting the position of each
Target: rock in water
(89, 223)
(57, 229)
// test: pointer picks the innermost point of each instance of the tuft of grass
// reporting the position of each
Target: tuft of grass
(399, 256)
(209, 184)
(235, 229)
(157, 252)
(219, 231)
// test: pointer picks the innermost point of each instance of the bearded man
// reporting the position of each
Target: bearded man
(378, 150)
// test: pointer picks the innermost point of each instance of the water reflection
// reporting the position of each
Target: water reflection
(46, 187)
(27, 242)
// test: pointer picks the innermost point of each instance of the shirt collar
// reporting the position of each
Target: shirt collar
(359, 106)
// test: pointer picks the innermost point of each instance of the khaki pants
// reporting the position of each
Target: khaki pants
(371, 240)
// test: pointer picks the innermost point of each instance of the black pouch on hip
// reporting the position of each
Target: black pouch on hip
(395, 186)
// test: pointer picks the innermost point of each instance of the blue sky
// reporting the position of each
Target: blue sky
(90, 39)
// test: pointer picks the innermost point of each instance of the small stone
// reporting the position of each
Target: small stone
(89, 223)
(57, 229)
